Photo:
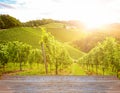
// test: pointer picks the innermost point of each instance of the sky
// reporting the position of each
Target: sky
(91, 12)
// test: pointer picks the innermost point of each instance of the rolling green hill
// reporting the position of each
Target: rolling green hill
(27, 35)
(54, 25)
(31, 36)
(74, 53)
(64, 33)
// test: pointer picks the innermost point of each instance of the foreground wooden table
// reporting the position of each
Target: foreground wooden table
(59, 84)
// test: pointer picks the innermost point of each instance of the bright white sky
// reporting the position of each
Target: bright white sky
(91, 12)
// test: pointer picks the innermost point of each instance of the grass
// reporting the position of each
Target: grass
(54, 25)
(65, 35)
(62, 34)
(27, 35)
(38, 69)
(13, 69)
(74, 53)
(77, 70)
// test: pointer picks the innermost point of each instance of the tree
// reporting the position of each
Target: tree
(2, 25)
(7, 21)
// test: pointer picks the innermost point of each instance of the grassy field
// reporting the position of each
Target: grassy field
(54, 25)
(65, 35)
(27, 35)
(58, 30)
(77, 70)
(74, 53)
(62, 33)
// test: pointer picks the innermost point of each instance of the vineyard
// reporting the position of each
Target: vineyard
(59, 46)
(104, 59)
(50, 55)
(48, 49)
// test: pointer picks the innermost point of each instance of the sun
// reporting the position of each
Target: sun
(93, 25)
(94, 18)
(94, 22)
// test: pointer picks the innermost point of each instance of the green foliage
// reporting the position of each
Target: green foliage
(3, 55)
(77, 70)
(36, 23)
(88, 42)
(32, 37)
(57, 23)
(35, 56)
(2, 25)
(54, 52)
(14, 52)
(26, 35)
(60, 32)
(55, 55)
(74, 53)
(7, 21)
(92, 37)
(54, 25)
(105, 57)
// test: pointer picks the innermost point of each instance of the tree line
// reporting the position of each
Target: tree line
(7, 21)
(36, 23)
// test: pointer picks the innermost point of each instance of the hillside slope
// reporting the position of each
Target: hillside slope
(27, 35)
(74, 53)
(64, 33)
(31, 36)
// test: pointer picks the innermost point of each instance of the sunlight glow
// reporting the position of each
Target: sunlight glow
(95, 23)
(94, 13)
